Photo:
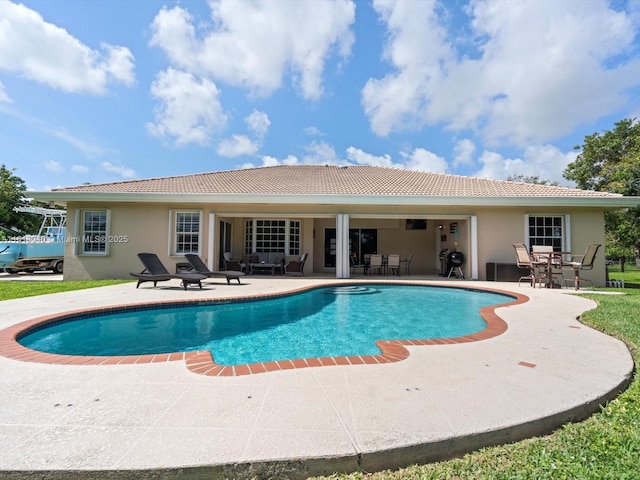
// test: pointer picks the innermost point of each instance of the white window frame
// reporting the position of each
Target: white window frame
(290, 248)
(566, 228)
(294, 237)
(173, 232)
(93, 236)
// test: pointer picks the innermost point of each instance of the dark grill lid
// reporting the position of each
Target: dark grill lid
(455, 258)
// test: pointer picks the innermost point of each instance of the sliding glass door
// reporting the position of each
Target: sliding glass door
(225, 242)
(362, 241)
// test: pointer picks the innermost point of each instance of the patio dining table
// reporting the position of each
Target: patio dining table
(554, 260)
(385, 264)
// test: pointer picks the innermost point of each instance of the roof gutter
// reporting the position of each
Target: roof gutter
(64, 197)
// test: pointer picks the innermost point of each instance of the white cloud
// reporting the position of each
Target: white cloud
(119, 63)
(189, 111)
(79, 169)
(318, 153)
(88, 149)
(237, 146)
(546, 162)
(48, 188)
(91, 150)
(540, 69)
(38, 50)
(254, 44)
(258, 123)
(4, 97)
(321, 153)
(416, 48)
(53, 166)
(421, 159)
(418, 159)
(119, 170)
(268, 161)
(571, 76)
(360, 157)
(313, 132)
(463, 152)
(288, 160)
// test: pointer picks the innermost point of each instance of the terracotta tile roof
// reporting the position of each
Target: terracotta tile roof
(333, 180)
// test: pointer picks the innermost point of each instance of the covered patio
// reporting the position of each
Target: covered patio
(335, 243)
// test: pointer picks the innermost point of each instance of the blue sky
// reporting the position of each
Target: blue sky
(101, 91)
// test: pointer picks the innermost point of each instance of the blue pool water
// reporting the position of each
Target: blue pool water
(332, 321)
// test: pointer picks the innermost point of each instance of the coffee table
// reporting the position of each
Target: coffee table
(257, 267)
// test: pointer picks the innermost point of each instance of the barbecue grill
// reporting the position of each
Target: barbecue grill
(455, 260)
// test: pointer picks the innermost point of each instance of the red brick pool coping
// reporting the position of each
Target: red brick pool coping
(201, 361)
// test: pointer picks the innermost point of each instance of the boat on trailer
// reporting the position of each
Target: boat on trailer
(44, 251)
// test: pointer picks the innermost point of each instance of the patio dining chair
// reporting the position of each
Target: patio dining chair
(375, 264)
(407, 264)
(393, 264)
(525, 261)
(355, 265)
(579, 263)
(545, 253)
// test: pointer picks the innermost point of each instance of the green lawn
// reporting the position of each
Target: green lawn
(631, 275)
(10, 289)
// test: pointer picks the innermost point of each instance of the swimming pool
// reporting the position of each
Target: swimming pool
(335, 321)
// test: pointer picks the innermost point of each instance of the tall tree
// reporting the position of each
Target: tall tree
(519, 177)
(12, 195)
(610, 161)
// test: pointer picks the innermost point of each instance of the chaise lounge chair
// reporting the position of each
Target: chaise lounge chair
(200, 267)
(155, 271)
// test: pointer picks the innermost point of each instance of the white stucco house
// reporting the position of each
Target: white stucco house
(329, 212)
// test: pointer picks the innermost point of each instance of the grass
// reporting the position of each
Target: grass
(30, 288)
(631, 275)
(605, 446)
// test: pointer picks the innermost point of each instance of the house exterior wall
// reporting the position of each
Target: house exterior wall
(147, 227)
(498, 229)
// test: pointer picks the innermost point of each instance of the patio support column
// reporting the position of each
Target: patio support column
(211, 255)
(473, 222)
(343, 269)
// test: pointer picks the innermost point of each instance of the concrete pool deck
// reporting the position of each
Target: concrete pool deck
(160, 420)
